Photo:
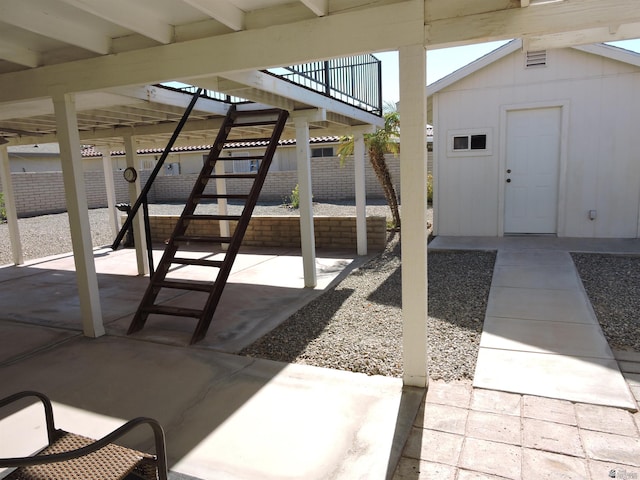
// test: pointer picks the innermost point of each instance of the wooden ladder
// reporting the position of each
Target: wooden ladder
(273, 120)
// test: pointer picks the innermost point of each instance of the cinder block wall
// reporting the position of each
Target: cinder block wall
(39, 193)
(283, 231)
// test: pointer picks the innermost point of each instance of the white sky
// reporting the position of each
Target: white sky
(441, 63)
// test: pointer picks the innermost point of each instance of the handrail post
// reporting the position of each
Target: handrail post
(327, 77)
(156, 170)
(147, 234)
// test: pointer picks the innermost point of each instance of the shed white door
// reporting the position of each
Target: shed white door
(532, 170)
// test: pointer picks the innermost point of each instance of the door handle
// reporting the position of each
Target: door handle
(508, 180)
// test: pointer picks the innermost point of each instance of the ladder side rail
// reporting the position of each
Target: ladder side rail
(190, 205)
(156, 170)
(238, 234)
(171, 249)
(210, 162)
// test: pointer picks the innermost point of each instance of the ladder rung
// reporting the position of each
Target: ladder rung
(252, 113)
(202, 239)
(191, 286)
(254, 123)
(175, 311)
(235, 175)
(231, 196)
(211, 217)
(203, 262)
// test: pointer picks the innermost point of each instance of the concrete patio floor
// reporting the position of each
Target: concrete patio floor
(225, 416)
(233, 417)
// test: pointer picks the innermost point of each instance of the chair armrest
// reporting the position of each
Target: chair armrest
(97, 445)
(46, 403)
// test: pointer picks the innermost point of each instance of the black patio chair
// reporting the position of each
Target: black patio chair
(69, 456)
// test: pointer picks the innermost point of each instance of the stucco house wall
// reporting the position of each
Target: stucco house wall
(598, 172)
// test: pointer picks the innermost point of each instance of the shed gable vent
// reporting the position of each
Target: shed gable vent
(537, 58)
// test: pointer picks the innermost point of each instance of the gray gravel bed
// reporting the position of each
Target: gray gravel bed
(50, 235)
(613, 285)
(357, 325)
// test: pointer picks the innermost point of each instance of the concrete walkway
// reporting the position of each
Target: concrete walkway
(540, 334)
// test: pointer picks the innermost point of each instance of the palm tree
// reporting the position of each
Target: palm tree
(383, 140)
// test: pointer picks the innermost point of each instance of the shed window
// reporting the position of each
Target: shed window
(469, 142)
(319, 152)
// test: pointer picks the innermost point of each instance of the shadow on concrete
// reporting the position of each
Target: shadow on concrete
(410, 402)
(222, 413)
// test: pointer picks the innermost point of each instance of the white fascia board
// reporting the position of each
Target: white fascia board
(17, 54)
(88, 136)
(319, 7)
(47, 23)
(269, 83)
(221, 10)
(83, 101)
(537, 19)
(474, 66)
(583, 37)
(239, 51)
(151, 93)
(613, 53)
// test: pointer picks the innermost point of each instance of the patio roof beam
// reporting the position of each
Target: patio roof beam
(20, 14)
(116, 132)
(128, 15)
(583, 37)
(536, 20)
(239, 51)
(223, 11)
(319, 7)
(20, 55)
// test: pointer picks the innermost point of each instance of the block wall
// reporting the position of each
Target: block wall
(283, 231)
(40, 193)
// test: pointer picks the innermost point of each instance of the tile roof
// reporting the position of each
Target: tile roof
(90, 151)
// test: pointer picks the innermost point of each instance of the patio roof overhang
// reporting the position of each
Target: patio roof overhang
(90, 50)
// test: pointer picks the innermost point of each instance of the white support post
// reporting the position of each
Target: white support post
(361, 192)
(221, 189)
(10, 207)
(138, 223)
(76, 196)
(307, 235)
(107, 167)
(413, 182)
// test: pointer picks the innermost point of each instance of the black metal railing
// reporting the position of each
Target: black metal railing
(355, 80)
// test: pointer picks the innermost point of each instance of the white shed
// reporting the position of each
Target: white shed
(542, 142)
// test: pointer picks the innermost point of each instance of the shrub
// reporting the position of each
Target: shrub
(294, 199)
(429, 188)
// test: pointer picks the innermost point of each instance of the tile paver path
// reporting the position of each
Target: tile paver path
(517, 436)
